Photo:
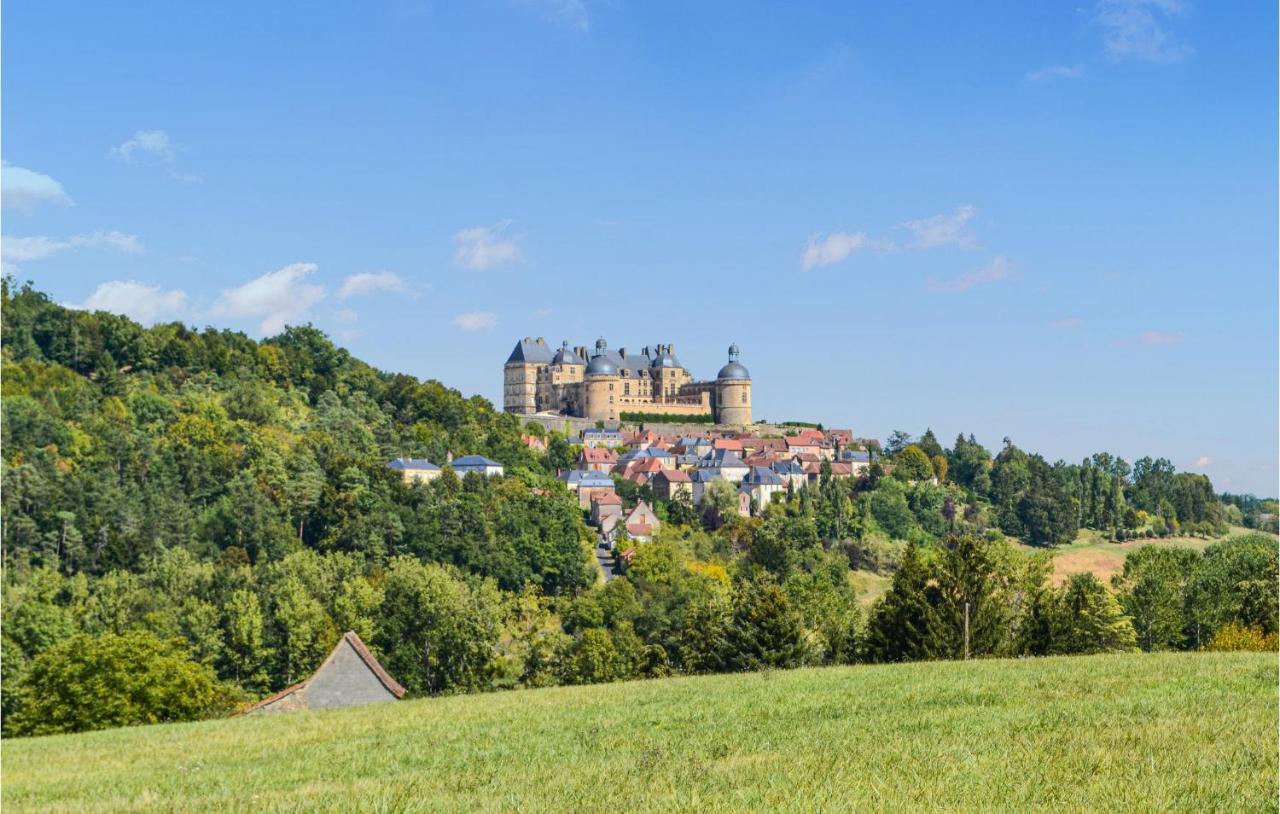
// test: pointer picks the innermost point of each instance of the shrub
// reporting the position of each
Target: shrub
(1236, 638)
(88, 683)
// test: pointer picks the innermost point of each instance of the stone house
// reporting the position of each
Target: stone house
(669, 485)
(415, 470)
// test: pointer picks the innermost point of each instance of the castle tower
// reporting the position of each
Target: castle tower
(520, 375)
(603, 386)
(733, 392)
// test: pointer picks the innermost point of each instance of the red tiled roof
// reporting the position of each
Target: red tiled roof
(799, 441)
(727, 443)
(675, 476)
(610, 499)
(639, 529)
(599, 455)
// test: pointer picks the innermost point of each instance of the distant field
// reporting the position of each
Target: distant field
(1167, 732)
(1094, 553)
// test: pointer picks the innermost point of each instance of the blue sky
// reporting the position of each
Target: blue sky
(1052, 222)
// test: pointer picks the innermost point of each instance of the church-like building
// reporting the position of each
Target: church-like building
(605, 384)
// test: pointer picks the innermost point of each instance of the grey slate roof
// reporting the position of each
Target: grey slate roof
(411, 463)
(528, 350)
(762, 476)
(719, 458)
(788, 468)
(733, 370)
(473, 460)
(566, 356)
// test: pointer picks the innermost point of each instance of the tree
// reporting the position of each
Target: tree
(898, 441)
(1088, 619)
(764, 632)
(89, 683)
(900, 622)
(912, 465)
(438, 630)
(1155, 591)
(968, 594)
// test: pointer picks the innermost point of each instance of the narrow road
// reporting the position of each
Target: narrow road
(605, 557)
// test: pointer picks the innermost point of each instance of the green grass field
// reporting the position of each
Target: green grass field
(1168, 732)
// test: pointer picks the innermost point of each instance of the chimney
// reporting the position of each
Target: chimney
(622, 352)
(541, 341)
(671, 349)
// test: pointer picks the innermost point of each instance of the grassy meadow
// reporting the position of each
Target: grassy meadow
(1163, 732)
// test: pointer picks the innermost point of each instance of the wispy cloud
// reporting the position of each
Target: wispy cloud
(368, 282)
(997, 270)
(823, 250)
(25, 189)
(476, 320)
(1203, 462)
(569, 13)
(24, 249)
(1154, 338)
(942, 230)
(485, 247)
(1066, 324)
(147, 304)
(278, 297)
(145, 142)
(1136, 29)
(155, 144)
(1056, 72)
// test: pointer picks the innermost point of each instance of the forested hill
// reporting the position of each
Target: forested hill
(191, 519)
(123, 441)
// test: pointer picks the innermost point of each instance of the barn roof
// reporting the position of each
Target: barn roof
(351, 638)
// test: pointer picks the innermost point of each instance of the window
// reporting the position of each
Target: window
(744, 396)
(626, 389)
(610, 387)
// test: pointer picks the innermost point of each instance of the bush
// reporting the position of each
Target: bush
(88, 683)
(1237, 638)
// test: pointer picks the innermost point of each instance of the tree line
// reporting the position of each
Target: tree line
(191, 519)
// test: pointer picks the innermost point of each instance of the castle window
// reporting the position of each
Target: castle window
(744, 396)
(626, 389)
(611, 387)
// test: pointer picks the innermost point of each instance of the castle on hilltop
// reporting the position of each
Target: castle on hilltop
(610, 383)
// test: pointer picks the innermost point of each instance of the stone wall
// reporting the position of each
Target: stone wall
(577, 425)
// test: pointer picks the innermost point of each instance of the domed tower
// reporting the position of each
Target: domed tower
(733, 392)
(602, 385)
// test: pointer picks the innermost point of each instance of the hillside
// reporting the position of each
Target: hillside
(1146, 732)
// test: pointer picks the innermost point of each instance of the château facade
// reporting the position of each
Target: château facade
(604, 384)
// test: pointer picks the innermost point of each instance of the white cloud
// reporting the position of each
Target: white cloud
(1135, 29)
(1153, 338)
(345, 315)
(1066, 324)
(484, 247)
(121, 242)
(476, 320)
(147, 304)
(23, 249)
(277, 297)
(997, 270)
(570, 13)
(366, 282)
(1056, 72)
(1202, 462)
(25, 189)
(943, 230)
(823, 250)
(150, 142)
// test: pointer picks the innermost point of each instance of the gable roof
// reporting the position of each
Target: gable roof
(370, 661)
(673, 476)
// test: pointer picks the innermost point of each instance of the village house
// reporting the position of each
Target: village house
(415, 470)
(724, 464)
(349, 677)
(641, 523)
(597, 437)
(603, 505)
(669, 485)
(762, 483)
(476, 463)
(537, 443)
(588, 493)
(597, 459)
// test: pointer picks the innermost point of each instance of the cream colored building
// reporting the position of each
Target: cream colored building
(605, 384)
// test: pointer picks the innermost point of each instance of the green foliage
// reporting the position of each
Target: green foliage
(912, 464)
(1235, 638)
(765, 631)
(1088, 619)
(111, 680)
(665, 418)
